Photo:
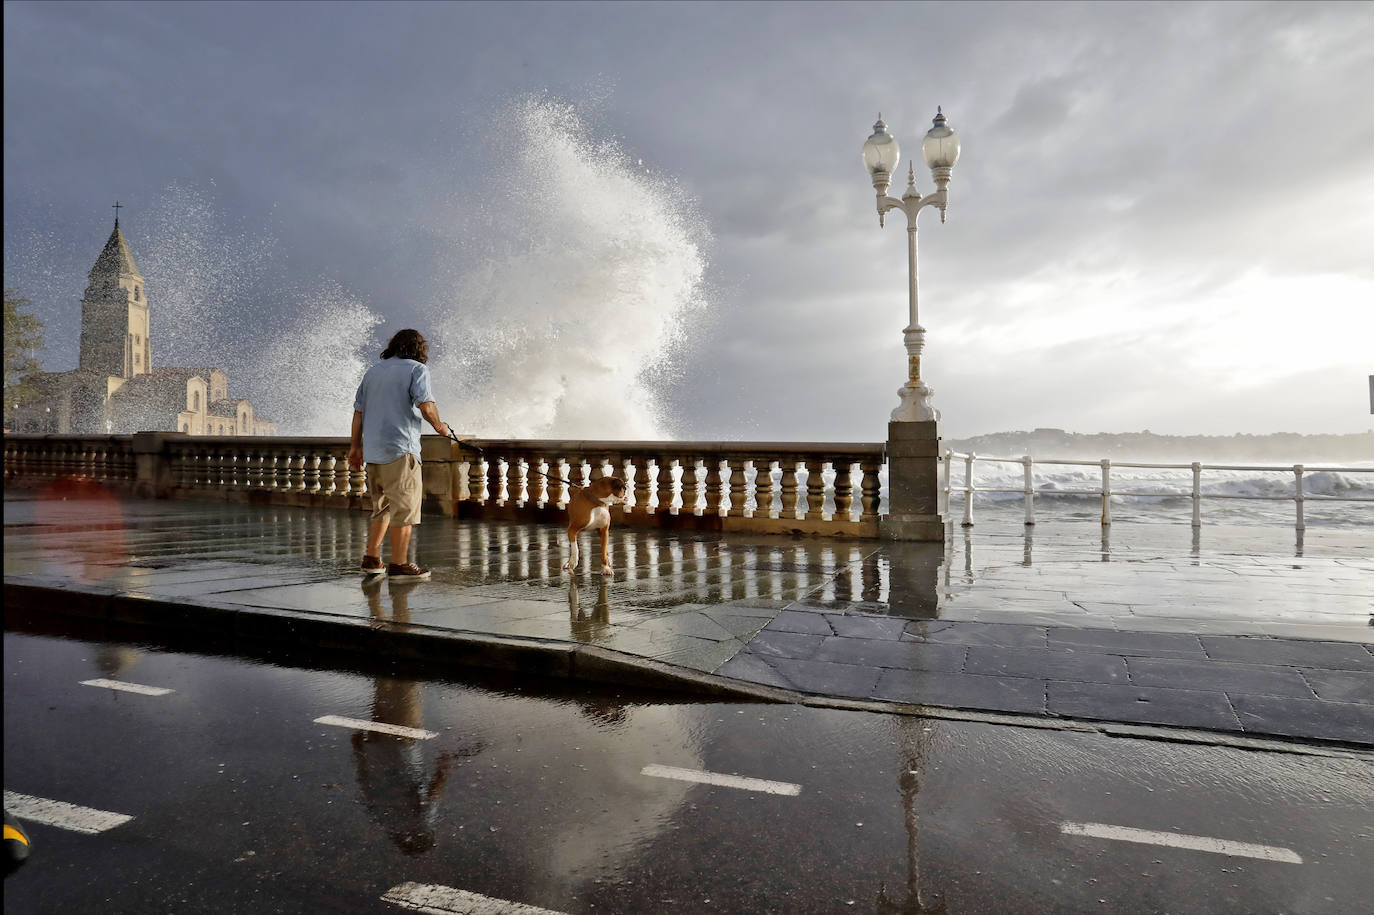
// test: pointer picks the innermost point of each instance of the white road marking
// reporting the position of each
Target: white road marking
(129, 687)
(726, 781)
(445, 900)
(1177, 840)
(61, 814)
(379, 726)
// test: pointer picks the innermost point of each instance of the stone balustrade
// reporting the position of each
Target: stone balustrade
(780, 487)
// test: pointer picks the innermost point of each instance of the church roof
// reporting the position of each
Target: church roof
(116, 258)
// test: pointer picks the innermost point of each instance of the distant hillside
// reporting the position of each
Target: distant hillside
(1276, 448)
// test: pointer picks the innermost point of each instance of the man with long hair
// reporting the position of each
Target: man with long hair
(392, 398)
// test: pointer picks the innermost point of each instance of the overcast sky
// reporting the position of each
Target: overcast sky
(637, 218)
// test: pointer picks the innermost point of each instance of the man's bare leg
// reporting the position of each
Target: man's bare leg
(400, 544)
(375, 532)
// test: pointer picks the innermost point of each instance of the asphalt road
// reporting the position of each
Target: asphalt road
(573, 800)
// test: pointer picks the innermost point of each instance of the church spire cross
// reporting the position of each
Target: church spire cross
(117, 207)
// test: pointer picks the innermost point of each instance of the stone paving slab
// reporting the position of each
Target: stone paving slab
(1139, 631)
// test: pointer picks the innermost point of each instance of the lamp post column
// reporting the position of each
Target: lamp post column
(913, 437)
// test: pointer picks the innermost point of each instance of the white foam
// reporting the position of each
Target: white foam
(590, 268)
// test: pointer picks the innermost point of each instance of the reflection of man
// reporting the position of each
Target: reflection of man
(392, 771)
(400, 599)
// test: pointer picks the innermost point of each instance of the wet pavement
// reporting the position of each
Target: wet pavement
(267, 786)
(1247, 631)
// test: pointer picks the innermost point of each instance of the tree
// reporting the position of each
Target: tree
(23, 339)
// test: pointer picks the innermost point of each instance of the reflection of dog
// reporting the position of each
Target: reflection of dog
(589, 625)
(589, 508)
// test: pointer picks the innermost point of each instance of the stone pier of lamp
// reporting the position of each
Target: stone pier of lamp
(913, 483)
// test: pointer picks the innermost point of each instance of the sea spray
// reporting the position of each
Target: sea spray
(298, 357)
(589, 268)
(316, 359)
(200, 277)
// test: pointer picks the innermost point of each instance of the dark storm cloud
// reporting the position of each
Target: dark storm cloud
(1146, 154)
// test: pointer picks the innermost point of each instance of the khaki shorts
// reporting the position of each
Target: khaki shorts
(397, 490)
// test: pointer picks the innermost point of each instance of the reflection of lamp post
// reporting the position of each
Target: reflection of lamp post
(913, 436)
(881, 155)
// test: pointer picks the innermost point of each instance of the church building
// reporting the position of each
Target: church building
(115, 389)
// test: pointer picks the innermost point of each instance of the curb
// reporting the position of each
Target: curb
(371, 637)
(433, 647)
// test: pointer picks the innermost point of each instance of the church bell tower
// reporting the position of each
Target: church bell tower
(114, 313)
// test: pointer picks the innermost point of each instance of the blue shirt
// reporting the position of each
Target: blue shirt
(389, 399)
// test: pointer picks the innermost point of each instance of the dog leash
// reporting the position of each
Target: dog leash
(482, 451)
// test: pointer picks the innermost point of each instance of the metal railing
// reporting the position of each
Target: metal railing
(1106, 493)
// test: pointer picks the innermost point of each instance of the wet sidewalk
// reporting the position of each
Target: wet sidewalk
(1236, 630)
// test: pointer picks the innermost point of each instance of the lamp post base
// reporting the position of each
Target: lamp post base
(915, 406)
(913, 480)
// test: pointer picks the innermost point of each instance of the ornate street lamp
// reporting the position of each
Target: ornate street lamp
(881, 154)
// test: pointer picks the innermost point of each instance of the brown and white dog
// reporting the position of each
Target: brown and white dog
(589, 509)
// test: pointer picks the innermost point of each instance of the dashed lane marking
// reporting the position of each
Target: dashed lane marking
(1177, 840)
(129, 687)
(61, 814)
(726, 781)
(446, 900)
(379, 726)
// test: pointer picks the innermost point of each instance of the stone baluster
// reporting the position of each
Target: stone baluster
(815, 488)
(209, 467)
(253, 458)
(224, 468)
(642, 486)
(739, 487)
(634, 476)
(539, 480)
(789, 489)
(297, 472)
(869, 487)
(269, 468)
(844, 489)
(183, 469)
(128, 468)
(715, 489)
(665, 485)
(492, 495)
(235, 469)
(312, 473)
(515, 473)
(557, 492)
(763, 488)
(87, 461)
(327, 479)
(692, 487)
(357, 480)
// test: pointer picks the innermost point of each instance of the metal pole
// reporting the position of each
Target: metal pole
(1030, 491)
(968, 490)
(944, 489)
(1197, 494)
(1106, 492)
(1298, 496)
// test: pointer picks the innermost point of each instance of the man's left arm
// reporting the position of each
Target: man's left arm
(431, 414)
